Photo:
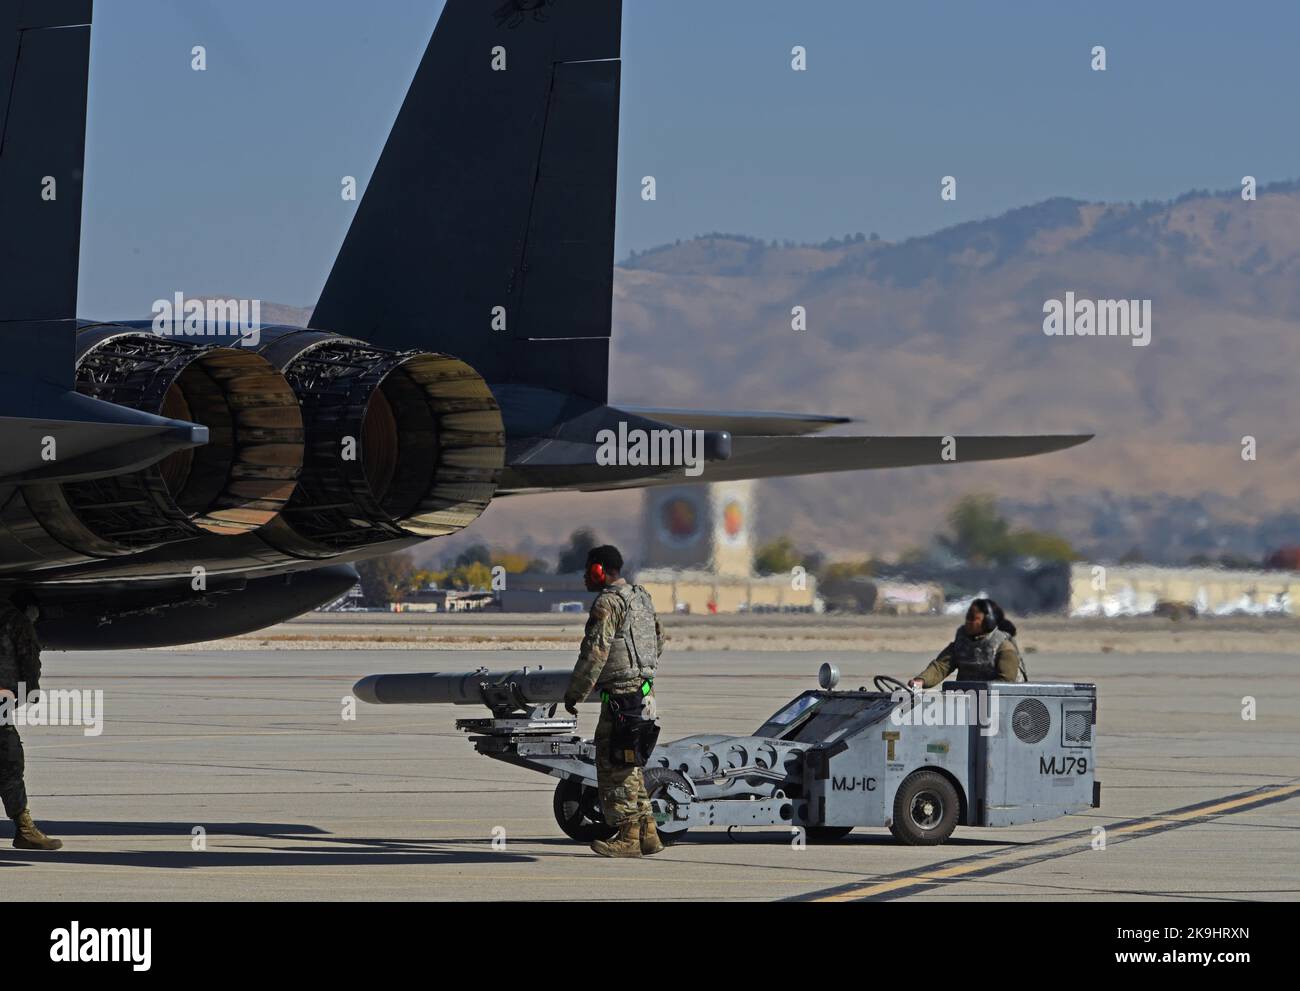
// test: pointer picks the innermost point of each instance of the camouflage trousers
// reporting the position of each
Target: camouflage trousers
(622, 789)
(12, 789)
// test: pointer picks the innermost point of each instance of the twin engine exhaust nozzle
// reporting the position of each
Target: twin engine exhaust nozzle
(318, 443)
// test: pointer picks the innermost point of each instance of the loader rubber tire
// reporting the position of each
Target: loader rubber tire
(926, 808)
(577, 812)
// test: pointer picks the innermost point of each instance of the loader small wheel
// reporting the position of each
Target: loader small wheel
(925, 809)
(577, 812)
(658, 780)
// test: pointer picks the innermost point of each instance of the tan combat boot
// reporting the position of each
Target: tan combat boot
(626, 844)
(650, 842)
(28, 837)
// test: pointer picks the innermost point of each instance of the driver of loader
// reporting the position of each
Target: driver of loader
(984, 649)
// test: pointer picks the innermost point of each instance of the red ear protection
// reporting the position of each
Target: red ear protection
(596, 573)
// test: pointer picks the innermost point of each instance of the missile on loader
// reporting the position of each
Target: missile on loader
(499, 690)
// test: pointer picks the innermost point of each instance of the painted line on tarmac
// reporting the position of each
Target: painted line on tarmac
(982, 865)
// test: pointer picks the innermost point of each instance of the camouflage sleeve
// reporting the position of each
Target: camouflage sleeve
(938, 669)
(27, 649)
(20, 655)
(602, 624)
(1008, 661)
(659, 638)
(9, 672)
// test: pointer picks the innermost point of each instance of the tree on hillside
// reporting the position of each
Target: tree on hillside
(778, 557)
(846, 570)
(385, 579)
(574, 557)
(981, 536)
(515, 564)
(979, 533)
(471, 576)
(1049, 547)
(474, 554)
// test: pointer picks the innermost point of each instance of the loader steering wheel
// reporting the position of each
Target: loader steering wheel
(888, 685)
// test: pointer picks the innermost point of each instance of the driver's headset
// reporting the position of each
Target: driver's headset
(596, 573)
(990, 620)
(987, 607)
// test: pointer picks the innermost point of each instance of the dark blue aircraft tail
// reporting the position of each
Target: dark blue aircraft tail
(44, 72)
(487, 230)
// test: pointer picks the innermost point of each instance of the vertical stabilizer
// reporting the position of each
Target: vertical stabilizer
(496, 189)
(44, 73)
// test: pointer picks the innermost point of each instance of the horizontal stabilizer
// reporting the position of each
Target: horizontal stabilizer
(746, 423)
(771, 457)
(53, 435)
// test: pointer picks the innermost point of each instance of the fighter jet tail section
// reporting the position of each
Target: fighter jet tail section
(48, 431)
(487, 230)
(44, 73)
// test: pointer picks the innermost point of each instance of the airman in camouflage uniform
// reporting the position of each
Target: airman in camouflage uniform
(984, 649)
(20, 667)
(606, 662)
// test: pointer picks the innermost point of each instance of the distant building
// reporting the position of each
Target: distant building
(447, 600)
(703, 593)
(888, 597)
(471, 601)
(697, 557)
(352, 599)
(1134, 590)
(698, 554)
(531, 592)
(1021, 589)
(699, 528)
(908, 598)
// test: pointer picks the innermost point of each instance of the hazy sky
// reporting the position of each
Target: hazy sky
(228, 180)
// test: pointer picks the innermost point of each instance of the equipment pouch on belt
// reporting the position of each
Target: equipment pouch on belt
(633, 737)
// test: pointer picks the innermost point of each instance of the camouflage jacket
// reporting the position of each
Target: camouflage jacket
(606, 617)
(1006, 660)
(20, 654)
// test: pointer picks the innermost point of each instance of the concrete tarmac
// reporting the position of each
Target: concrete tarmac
(233, 775)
